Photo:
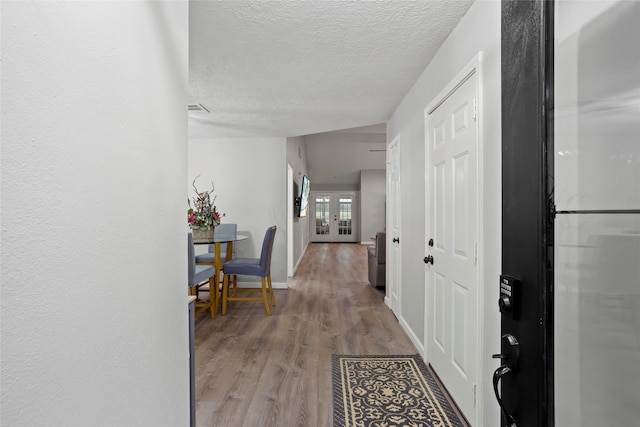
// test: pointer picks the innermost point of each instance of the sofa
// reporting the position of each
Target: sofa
(377, 260)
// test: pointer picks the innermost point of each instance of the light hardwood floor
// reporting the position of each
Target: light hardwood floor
(254, 370)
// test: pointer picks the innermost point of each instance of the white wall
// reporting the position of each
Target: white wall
(297, 158)
(335, 187)
(479, 30)
(336, 158)
(373, 190)
(250, 179)
(94, 129)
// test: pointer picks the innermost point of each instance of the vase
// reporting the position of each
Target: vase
(200, 236)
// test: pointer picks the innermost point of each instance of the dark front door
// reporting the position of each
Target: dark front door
(522, 383)
(570, 288)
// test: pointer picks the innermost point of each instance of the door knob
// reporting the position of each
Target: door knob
(396, 240)
(504, 303)
(428, 259)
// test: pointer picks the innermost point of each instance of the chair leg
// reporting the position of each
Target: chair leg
(225, 293)
(273, 297)
(213, 297)
(234, 285)
(264, 296)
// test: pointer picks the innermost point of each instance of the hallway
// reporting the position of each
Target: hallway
(254, 370)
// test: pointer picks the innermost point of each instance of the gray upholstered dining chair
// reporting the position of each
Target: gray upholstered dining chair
(198, 275)
(260, 267)
(208, 258)
(222, 230)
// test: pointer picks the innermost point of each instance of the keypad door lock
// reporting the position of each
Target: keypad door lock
(509, 300)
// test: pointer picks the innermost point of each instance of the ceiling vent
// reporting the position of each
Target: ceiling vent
(197, 107)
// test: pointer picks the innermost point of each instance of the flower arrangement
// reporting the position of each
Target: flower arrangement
(203, 215)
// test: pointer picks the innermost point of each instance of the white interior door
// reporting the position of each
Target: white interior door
(392, 297)
(452, 230)
(334, 216)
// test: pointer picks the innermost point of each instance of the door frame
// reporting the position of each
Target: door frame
(394, 305)
(473, 70)
(527, 206)
(290, 211)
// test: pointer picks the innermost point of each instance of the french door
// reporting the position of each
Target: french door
(333, 216)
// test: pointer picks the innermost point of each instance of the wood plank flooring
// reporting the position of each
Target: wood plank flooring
(254, 370)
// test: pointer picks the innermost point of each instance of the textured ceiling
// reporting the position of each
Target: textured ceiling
(337, 158)
(291, 68)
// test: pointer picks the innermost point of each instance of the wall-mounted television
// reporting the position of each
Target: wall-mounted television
(304, 196)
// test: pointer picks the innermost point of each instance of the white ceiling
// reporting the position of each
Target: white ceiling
(292, 68)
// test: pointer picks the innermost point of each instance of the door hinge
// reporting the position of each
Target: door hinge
(475, 110)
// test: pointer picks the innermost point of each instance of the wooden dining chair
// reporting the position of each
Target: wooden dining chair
(260, 267)
(197, 275)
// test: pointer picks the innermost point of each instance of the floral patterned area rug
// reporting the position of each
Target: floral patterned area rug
(389, 391)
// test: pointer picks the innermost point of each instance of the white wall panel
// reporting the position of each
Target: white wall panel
(459, 323)
(461, 240)
(440, 311)
(373, 202)
(94, 168)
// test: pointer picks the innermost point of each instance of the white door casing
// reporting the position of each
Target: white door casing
(452, 316)
(290, 209)
(392, 296)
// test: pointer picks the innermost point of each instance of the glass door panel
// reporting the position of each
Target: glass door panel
(597, 226)
(322, 205)
(345, 214)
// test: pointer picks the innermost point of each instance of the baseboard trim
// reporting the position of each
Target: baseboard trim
(412, 336)
(295, 267)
